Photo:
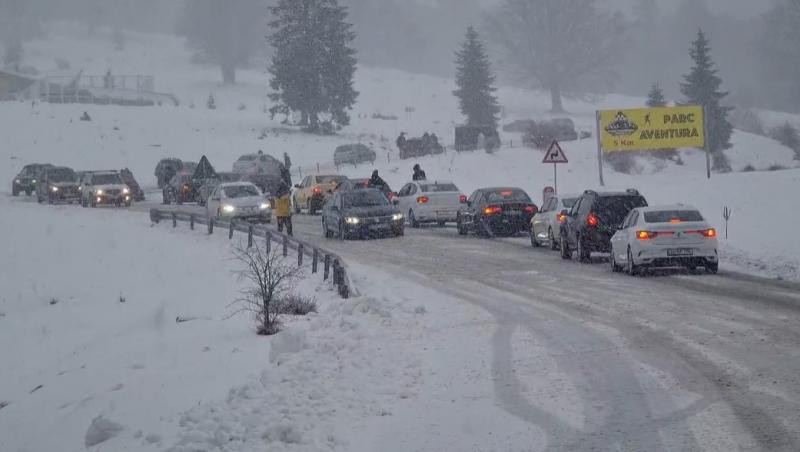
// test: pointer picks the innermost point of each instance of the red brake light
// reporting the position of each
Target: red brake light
(675, 220)
(492, 210)
(530, 209)
(422, 200)
(592, 220)
(644, 235)
(710, 233)
(462, 199)
(506, 193)
(317, 190)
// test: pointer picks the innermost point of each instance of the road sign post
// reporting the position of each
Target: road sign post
(555, 155)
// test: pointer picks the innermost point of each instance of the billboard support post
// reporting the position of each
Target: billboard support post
(555, 178)
(706, 143)
(599, 149)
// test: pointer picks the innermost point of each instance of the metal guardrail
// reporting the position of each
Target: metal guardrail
(333, 265)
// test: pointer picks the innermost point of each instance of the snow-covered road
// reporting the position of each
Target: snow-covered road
(603, 361)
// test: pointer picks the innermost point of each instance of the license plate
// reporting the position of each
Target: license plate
(680, 252)
(377, 227)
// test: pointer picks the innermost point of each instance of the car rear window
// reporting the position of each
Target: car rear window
(672, 216)
(613, 209)
(437, 188)
(505, 195)
(569, 202)
(329, 179)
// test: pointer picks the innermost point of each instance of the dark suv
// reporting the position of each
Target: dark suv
(27, 178)
(57, 184)
(594, 218)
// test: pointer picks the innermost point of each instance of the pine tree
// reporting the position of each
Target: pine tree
(702, 87)
(788, 136)
(475, 81)
(656, 97)
(314, 64)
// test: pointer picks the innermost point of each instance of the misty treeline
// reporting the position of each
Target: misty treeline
(571, 47)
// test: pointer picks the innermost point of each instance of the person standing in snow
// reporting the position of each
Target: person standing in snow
(377, 182)
(287, 162)
(283, 208)
(418, 173)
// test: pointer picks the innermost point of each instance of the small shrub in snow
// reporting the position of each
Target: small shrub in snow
(53, 301)
(788, 136)
(293, 304)
(748, 169)
(242, 107)
(776, 167)
(211, 103)
(100, 431)
(270, 278)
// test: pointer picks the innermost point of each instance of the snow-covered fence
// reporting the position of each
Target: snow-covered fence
(333, 265)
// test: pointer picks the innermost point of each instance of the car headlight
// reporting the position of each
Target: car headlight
(34, 181)
(228, 208)
(264, 206)
(352, 220)
(397, 217)
(99, 192)
(17, 180)
(125, 191)
(55, 189)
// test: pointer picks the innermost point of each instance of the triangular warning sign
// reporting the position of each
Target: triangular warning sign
(555, 154)
(204, 170)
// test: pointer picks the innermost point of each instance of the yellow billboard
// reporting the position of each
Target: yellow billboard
(651, 128)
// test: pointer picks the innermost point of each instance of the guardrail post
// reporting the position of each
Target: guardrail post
(268, 243)
(191, 222)
(174, 220)
(230, 230)
(344, 290)
(300, 255)
(327, 271)
(336, 274)
(155, 216)
(314, 261)
(250, 236)
(210, 226)
(285, 246)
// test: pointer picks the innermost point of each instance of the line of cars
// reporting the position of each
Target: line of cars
(637, 237)
(62, 185)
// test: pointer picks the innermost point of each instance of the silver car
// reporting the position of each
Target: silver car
(239, 200)
(545, 225)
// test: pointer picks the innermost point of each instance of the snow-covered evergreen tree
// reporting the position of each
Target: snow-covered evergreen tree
(314, 63)
(702, 87)
(656, 97)
(788, 136)
(475, 82)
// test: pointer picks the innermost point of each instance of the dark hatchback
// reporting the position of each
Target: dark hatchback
(594, 218)
(360, 214)
(496, 211)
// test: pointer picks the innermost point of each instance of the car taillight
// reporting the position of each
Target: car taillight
(185, 187)
(710, 233)
(530, 209)
(592, 220)
(462, 199)
(422, 200)
(562, 218)
(645, 235)
(317, 190)
(493, 210)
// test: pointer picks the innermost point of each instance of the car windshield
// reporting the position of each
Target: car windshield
(106, 179)
(241, 191)
(613, 209)
(61, 175)
(569, 202)
(329, 179)
(507, 195)
(365, 199)
(672, 216)
(228, 177)
(437, 188)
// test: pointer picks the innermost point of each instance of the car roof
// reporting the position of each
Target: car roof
(500, 188)
(237, 184)
(367, 189)
(667, 207)
(433, 182)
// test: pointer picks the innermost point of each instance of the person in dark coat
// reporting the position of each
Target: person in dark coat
(418, 173)
(401, 140)
(377, 182)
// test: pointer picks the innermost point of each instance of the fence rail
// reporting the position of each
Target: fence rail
(333, 265)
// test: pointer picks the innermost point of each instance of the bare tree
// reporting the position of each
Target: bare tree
(563, 44)
(270, 278)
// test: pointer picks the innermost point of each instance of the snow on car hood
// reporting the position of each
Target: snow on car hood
(250, 201)
(107, 187)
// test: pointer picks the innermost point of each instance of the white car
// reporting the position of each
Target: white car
(430, 202)
(104, 187)
(239, 200)
(545, 225)
(664, 236)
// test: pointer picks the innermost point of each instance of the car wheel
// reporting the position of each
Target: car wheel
(14, 191)
(327, 232)
(712, 268)
(584, 255)
(534, 243)
(296, 205)
(613, 261)
(566, 253)
(128, 203)
(632, 268)
(462, 230)
(311, 210)
(28, 192)
(412, 219)
(551, 238)
(93, 203)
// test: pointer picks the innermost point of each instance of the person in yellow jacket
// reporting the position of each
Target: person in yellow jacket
(283, 209)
